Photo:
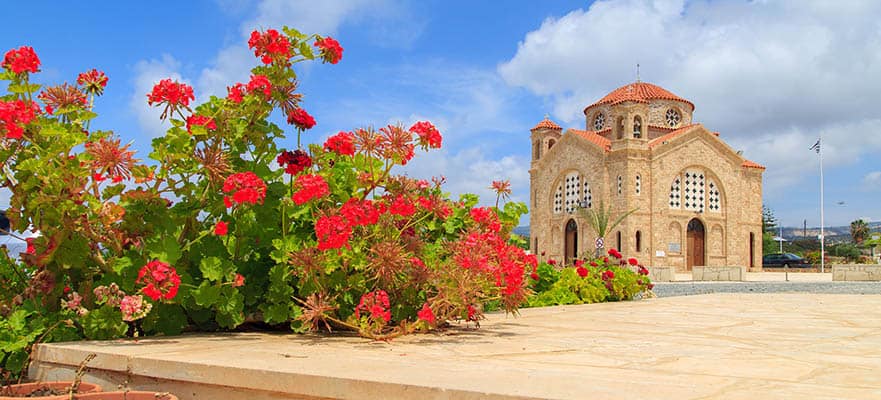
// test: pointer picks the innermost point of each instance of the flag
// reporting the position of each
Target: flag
(816, 146)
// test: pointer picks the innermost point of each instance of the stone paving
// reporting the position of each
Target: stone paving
(717, 346)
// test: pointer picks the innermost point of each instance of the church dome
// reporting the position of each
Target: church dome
(547, 124)
(639, 92)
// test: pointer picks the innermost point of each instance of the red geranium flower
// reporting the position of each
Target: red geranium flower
(615, 253)
(161, 280)
(270, 45)
(23, 59)
(534, 276)
(246, 187)
(236, 93)
(333, 232)
(552, 262)
(174, 94)
(200, 120)
(301, 119)
(632, 261)
(221, 228)
(428, 134)
(331, 51)
(239, 281)
(31, 248)
(377, 304)
(582, 272)
(360, 212)
(294, 162)
(426, 314)
(260, 83)
(93, 81)
(608, 274)
(342, 143)
(311, 187)
(402, 206)
(15, 114)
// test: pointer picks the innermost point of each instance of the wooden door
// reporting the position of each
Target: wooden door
(571, 250)
(695, 243)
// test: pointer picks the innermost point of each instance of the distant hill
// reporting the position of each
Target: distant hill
(522, 230)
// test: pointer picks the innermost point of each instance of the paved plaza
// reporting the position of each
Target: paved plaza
(716, 346)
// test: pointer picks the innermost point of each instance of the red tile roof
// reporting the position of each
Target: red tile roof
(750, 164)
(671, 135)
(594, 138)
(547, 124)
(639, 92)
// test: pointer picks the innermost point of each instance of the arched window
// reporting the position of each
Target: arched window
(675, 192)
(638, 241)
(535, 246)
(572, 192)
(693, 190)
(599, 122)
(619, 240)
(637, 127)
(536, 152)
(619, 127)
(551, 143)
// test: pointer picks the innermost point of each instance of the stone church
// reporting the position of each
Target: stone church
(698, 202)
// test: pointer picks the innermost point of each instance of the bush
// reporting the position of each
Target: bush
(211, 234)
(600, 280)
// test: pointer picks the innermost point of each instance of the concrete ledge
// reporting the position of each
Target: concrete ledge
(731, 273)
(802, 346)
(856, 272)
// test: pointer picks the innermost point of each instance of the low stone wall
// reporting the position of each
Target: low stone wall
(856, 272)
(660, 274)
(730, 273)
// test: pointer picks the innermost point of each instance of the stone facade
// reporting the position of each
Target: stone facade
(697, 201)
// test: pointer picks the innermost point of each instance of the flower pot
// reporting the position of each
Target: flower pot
(45, 390)
(133, 395)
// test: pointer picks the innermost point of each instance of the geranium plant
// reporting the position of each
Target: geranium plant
(224, 227)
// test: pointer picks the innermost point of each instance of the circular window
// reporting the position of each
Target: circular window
(673, 117)
(599, 121)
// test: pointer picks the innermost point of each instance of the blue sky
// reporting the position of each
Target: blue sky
(770, 76)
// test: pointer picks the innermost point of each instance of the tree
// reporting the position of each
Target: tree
(769, 222)
(598, 218)
(859, 231)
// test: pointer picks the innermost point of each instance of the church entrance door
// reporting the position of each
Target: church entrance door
(695, 243)
(571, 245)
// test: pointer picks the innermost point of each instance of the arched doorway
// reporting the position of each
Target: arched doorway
(695, 243)
(571, 246)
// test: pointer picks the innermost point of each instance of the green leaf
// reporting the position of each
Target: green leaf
(104, 323)
(168, 319)
(206, 294)
(276, 313)
(165, 249)
(306, 50)
(212, 269)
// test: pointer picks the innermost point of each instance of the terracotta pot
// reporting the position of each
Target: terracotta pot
(127, 396)
(20, 391)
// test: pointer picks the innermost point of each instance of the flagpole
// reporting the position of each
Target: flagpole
(822, 214)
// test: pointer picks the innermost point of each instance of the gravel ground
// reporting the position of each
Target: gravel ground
(691, 288)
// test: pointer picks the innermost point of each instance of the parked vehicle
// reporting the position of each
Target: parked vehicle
(778, 260)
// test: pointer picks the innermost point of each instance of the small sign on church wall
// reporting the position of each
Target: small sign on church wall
(674, 247)
(660, 253)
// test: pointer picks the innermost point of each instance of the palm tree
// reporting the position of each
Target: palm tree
(598, 218)
(859, 230)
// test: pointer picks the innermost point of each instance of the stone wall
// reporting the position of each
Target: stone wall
(856, 272)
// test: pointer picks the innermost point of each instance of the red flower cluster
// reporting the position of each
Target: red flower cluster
(15, 114)
(331, 51)
(246, 187)
(93, 81)
(294, 162)
(632, 261)
(161, 280)
(486, 217)
(333, 232)
(270, 45)
(31, 249)
(259, 83)
(396, 144)
(376, 304)
(489, 253)
(301, 119)
(200, 120)
(239, 281)
(402, 206)
(311, 187)
(429, 137)
(221, 228)
(608, 274)
(615, 253)
(361, 212)
(436, 206)
(23, 59)
(426, 314)
(236, 93)
(643, 270)
(341, 143)
(172, 93)
(579, 268)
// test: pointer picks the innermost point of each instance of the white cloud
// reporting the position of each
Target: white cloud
(872, 181)
(147, 74)
(769, 75)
